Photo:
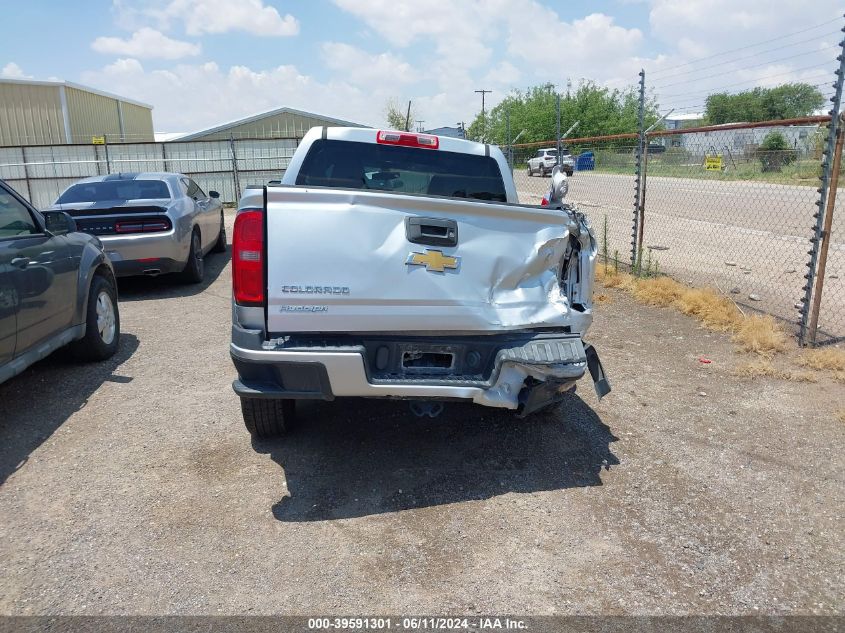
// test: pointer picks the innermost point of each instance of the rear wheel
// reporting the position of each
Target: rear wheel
(102, 322)
(220, 244)
(266, 418)
(195, 267)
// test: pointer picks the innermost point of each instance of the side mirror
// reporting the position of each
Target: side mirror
(59, 222)
(214, 194)
(560, 185)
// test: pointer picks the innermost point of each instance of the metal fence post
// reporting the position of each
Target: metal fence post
(828, 159)
(106, 148)
(825, 236)
(639, 173)
(164, 157)
(508, 134)
(26, 174)
(557, 128)
(235, 175)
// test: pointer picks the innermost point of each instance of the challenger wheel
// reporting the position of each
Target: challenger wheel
(195, 267)
(266, 418)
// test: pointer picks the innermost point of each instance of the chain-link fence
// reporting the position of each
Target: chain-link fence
(730, 207)
(602, 183)
(42, 172)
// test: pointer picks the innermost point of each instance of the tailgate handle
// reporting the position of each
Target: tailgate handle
(431, 231)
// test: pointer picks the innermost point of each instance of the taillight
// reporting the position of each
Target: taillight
(141, 226)
(248, 258)
(408, 139)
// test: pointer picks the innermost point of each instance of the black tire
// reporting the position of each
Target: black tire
(266, 418)
(530, 171)
(570, 172)
(220, 244)
(102, 322)
(195, 267)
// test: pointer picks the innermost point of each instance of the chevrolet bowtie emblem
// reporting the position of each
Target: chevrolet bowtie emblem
(434, 261)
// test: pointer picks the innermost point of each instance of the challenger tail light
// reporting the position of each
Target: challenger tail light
(141, 226)
(408, 139)
(248, 258)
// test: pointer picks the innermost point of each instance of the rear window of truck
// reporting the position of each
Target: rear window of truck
(353, 165)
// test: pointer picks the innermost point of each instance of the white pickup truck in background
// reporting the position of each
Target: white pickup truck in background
(399, 265)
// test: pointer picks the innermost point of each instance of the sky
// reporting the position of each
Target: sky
(201, 63)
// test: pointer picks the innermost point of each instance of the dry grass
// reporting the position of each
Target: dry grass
(602, 298)
(658, 291)
(841, 415)
(801, 376)
(756, 369)
(760, 335)
(715, 310)
(839, 376)
(830, 358)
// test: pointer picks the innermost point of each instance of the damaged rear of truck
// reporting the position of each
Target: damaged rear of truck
(397, 265)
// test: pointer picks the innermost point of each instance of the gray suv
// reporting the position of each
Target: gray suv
(57, 287)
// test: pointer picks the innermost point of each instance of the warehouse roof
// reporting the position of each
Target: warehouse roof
(264, 115)
(69, 84)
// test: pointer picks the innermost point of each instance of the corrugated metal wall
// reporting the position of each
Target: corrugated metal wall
(30, 114)
(92, 115)
(137, 122)
(284, 125)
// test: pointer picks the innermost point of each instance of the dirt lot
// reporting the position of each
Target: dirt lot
(132, 486)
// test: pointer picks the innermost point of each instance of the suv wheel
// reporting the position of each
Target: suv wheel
(266, 418)
(102, 322)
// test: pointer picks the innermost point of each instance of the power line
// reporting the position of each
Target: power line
(817, 67)
(766, 63)
(742, 48)
(769, 50)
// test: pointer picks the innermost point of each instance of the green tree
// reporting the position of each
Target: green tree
(396, 116)
(774, 152)
(763, 104)
(599, 111)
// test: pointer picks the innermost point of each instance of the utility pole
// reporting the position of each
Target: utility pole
(483, 116)
(419, 125)
(462, 128)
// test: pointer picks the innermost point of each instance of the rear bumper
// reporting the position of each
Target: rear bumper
(139, 254)
(523, 375)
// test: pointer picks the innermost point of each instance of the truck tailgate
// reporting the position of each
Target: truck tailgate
(344, 261)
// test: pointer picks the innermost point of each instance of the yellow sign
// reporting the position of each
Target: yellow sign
(434, 261)
(98, 140)
(713, 162)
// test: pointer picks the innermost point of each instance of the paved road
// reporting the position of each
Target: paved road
(695, 226)
(132, 487)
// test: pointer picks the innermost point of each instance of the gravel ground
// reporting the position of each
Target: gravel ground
(131, 487)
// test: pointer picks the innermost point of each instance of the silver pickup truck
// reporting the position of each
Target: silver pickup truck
(398, 265)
